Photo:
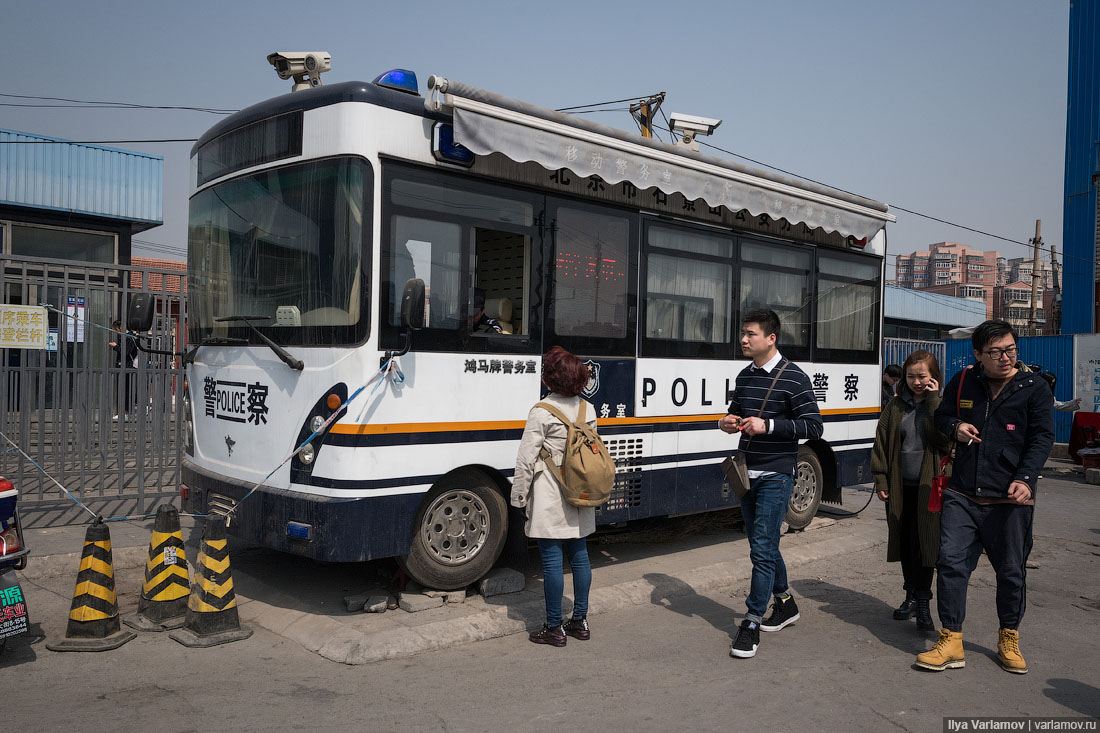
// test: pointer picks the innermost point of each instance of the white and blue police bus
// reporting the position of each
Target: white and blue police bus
(521, 228)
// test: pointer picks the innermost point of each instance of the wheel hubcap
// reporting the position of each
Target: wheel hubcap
(805, 487)
(456, 527)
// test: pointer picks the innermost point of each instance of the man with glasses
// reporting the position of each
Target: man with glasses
(1002, 420)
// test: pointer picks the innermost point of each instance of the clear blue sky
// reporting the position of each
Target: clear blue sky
(954, 109)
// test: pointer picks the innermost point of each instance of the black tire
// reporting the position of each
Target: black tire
(459, 532)
(809, 483)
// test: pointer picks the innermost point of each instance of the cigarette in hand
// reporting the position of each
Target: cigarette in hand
(970, 441)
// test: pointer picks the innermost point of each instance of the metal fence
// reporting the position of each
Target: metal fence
(896, 351)
(103, 425)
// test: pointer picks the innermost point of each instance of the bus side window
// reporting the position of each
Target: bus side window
(431, 251)
(778, 277)
(688, 293)
(847, 308)
(499, 298)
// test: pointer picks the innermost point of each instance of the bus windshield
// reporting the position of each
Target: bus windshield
(287, 245)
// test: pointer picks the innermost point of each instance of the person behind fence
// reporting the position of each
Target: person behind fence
(559, 527)
(775, 423)
(1002, 422)
(125, 350)
(890, 378)
(906, 456)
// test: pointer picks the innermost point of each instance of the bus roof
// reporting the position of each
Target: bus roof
(486, 122)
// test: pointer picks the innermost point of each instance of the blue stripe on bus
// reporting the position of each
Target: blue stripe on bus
(390, 483)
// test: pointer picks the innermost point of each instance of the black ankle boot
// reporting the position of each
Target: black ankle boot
(924, 614)
(907, 609)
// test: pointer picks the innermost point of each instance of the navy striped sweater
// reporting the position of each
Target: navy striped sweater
(791, 409)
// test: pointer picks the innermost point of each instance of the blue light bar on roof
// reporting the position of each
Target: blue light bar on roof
(401, 80)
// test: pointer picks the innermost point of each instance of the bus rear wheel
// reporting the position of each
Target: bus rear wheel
(809, 482)
(459, 532)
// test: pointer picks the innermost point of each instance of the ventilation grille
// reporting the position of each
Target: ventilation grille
(219, 504)
(627, 491)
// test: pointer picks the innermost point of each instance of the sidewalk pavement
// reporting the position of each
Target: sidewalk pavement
(303, 601)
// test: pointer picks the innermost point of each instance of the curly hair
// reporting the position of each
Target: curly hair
(563, 372)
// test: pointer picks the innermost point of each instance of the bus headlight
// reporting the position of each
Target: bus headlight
(316, 423)
(306, 454)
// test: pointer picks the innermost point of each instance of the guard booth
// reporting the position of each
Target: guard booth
(102, 428)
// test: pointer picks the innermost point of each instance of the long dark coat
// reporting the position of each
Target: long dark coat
(886, 470)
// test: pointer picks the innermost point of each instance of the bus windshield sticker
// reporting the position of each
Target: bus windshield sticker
(235, 401)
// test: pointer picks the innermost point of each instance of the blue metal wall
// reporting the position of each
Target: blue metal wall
(45, 173)
(1054, 353)
(1079, 235)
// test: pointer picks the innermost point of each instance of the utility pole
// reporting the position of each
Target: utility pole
(1056, 303)
(645, 111)
(1035, 278)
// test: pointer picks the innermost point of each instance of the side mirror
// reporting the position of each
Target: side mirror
(139, 314)
(412, 304)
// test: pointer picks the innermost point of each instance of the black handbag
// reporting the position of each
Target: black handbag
(735, 468)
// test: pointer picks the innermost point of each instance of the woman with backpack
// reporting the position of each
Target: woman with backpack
(907, 454)
(559, 526)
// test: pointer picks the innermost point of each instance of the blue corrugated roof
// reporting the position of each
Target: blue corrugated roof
(941, 310)
(49, 173)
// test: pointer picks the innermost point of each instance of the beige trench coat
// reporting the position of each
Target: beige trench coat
(549, 515)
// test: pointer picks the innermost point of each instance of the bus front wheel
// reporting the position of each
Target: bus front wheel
(809, 482)
(459, 532)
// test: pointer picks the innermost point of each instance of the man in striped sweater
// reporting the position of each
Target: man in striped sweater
(769, 439)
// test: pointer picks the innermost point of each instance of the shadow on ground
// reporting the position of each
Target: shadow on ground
(676, 595)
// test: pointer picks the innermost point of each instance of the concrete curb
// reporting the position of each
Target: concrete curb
(336, 641)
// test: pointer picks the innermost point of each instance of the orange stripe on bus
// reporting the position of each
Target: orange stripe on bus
(444, 427)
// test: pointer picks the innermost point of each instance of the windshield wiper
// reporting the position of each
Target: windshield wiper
(189, 357)
(282, 353)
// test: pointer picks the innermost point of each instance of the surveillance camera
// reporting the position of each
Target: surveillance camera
(305, 67)
(693, 124)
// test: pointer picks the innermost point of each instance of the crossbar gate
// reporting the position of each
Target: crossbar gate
(106, 428)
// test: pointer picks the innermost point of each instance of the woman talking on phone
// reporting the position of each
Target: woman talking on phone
(907, 454)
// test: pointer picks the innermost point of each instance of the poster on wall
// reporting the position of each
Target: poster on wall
(1086, 383)
(74, 309)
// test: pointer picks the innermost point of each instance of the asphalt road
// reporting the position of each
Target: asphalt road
(653, 666)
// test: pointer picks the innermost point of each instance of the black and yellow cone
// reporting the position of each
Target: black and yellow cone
(212, 608)
(163, 603)
(93, 621)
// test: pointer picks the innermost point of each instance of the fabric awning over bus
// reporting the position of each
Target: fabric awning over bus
(490, 123)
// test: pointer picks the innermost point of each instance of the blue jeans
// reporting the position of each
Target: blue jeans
(764, 509)
(553, 580)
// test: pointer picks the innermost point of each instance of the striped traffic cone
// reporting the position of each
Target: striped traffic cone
(163, 603)
(93, 620)
(212, 608)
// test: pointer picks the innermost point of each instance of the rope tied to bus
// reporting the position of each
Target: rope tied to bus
(390, 369)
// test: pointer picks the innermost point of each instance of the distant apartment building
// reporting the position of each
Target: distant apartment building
(1019, 269)
(1012, 303)
(951, 268)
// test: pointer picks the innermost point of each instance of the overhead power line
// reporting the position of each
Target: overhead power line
(100, 142)
(1029, 245)
(101, 104)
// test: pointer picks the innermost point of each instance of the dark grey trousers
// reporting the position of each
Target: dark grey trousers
(1004, 530)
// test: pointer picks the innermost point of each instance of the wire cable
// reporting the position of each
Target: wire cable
(118, 105)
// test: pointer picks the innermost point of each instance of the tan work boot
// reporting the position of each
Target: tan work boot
(946, 654)
(1008, 652)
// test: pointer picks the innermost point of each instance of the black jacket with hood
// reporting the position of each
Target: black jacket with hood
(1016, 430)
